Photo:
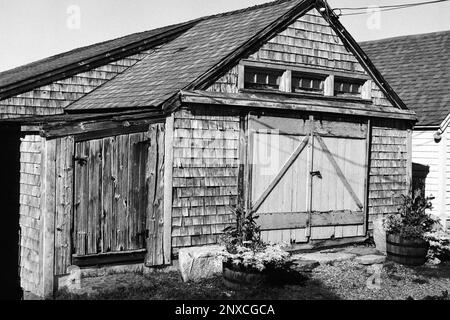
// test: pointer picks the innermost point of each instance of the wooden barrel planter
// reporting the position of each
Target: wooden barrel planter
(236, 278)
(412, 252)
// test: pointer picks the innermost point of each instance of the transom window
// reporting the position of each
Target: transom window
(303, 81)
(347, 87)
(307, 83)
(262, 79)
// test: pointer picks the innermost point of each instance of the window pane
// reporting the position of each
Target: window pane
(262, 79)
(347, 88)
(305, 83)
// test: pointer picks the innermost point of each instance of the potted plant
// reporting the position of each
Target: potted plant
(406, 231)
(247, 261)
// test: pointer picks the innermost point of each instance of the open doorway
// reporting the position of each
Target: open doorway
(9, 200)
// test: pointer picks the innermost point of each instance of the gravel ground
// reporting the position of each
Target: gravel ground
(348, 279)
(340, 280)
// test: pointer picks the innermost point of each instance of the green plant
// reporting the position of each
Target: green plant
(244, 249)
(412, 221)
(244, 233)
(439, 242)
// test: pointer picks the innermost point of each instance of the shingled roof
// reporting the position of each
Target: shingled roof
(186, 56)
(418, 69)
(178, 63)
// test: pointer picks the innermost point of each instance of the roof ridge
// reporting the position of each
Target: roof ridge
(74, 50)
(255, 7)
(417, 35)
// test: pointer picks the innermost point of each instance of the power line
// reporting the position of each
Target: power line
(397, 5)
(387, 7)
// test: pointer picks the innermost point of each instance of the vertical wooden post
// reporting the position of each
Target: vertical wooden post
(328, 86)
(48, 207)
(367, 90)
(168, 173)
(409, 160)
(64, 204)
(241, 76)
(286, 81)
(248, 166)
(309, 180)
(242, 180)
(367, 177)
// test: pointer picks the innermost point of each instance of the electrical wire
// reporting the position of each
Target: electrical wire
(387, 7)
(397, 5)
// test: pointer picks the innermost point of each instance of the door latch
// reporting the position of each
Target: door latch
(81, 160)
(316, 173)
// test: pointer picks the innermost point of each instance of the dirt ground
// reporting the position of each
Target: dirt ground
(339, 280)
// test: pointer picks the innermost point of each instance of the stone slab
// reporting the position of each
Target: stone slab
(196, 263)
(325, 257)
(379, 235)
(362, 251)
(370, 259)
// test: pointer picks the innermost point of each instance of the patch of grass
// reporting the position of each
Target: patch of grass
(168, 286)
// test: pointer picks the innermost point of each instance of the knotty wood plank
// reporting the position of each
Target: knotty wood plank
(339, 172)
(309, 178)
(48, 216)
(64, 207)
(167, 180)
(280, 174)
(107, 195)
(95, 189)
(121, 197)
(133, 188)
(143, 199)
(150, 259)
(159, 196)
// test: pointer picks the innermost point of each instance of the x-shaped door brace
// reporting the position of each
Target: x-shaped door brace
(292, 159)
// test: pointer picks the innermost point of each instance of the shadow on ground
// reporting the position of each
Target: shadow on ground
(169, 286)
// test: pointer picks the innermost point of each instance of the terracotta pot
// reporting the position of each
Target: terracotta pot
(236, 278)
(412, 252)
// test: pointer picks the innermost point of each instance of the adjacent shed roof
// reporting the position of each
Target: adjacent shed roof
(418, 69)
(64, 64)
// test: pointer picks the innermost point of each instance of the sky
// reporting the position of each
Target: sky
(32, 30)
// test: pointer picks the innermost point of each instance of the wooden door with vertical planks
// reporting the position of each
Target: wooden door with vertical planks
(308, 177)
(338, 179)
(118, 195)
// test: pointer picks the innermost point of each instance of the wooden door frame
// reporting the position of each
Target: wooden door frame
(131, 256)
(245, 168)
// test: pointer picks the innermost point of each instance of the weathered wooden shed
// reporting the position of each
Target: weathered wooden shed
(425, 91)
(274, 107)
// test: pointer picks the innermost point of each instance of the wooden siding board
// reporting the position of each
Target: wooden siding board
(64, 204)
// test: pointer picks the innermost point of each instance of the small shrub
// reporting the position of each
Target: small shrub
(439, 245)
(411, 221)
(244, 249)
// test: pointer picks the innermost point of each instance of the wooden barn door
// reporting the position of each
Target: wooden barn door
(308, 177)
(338, 179)
(118, 197)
